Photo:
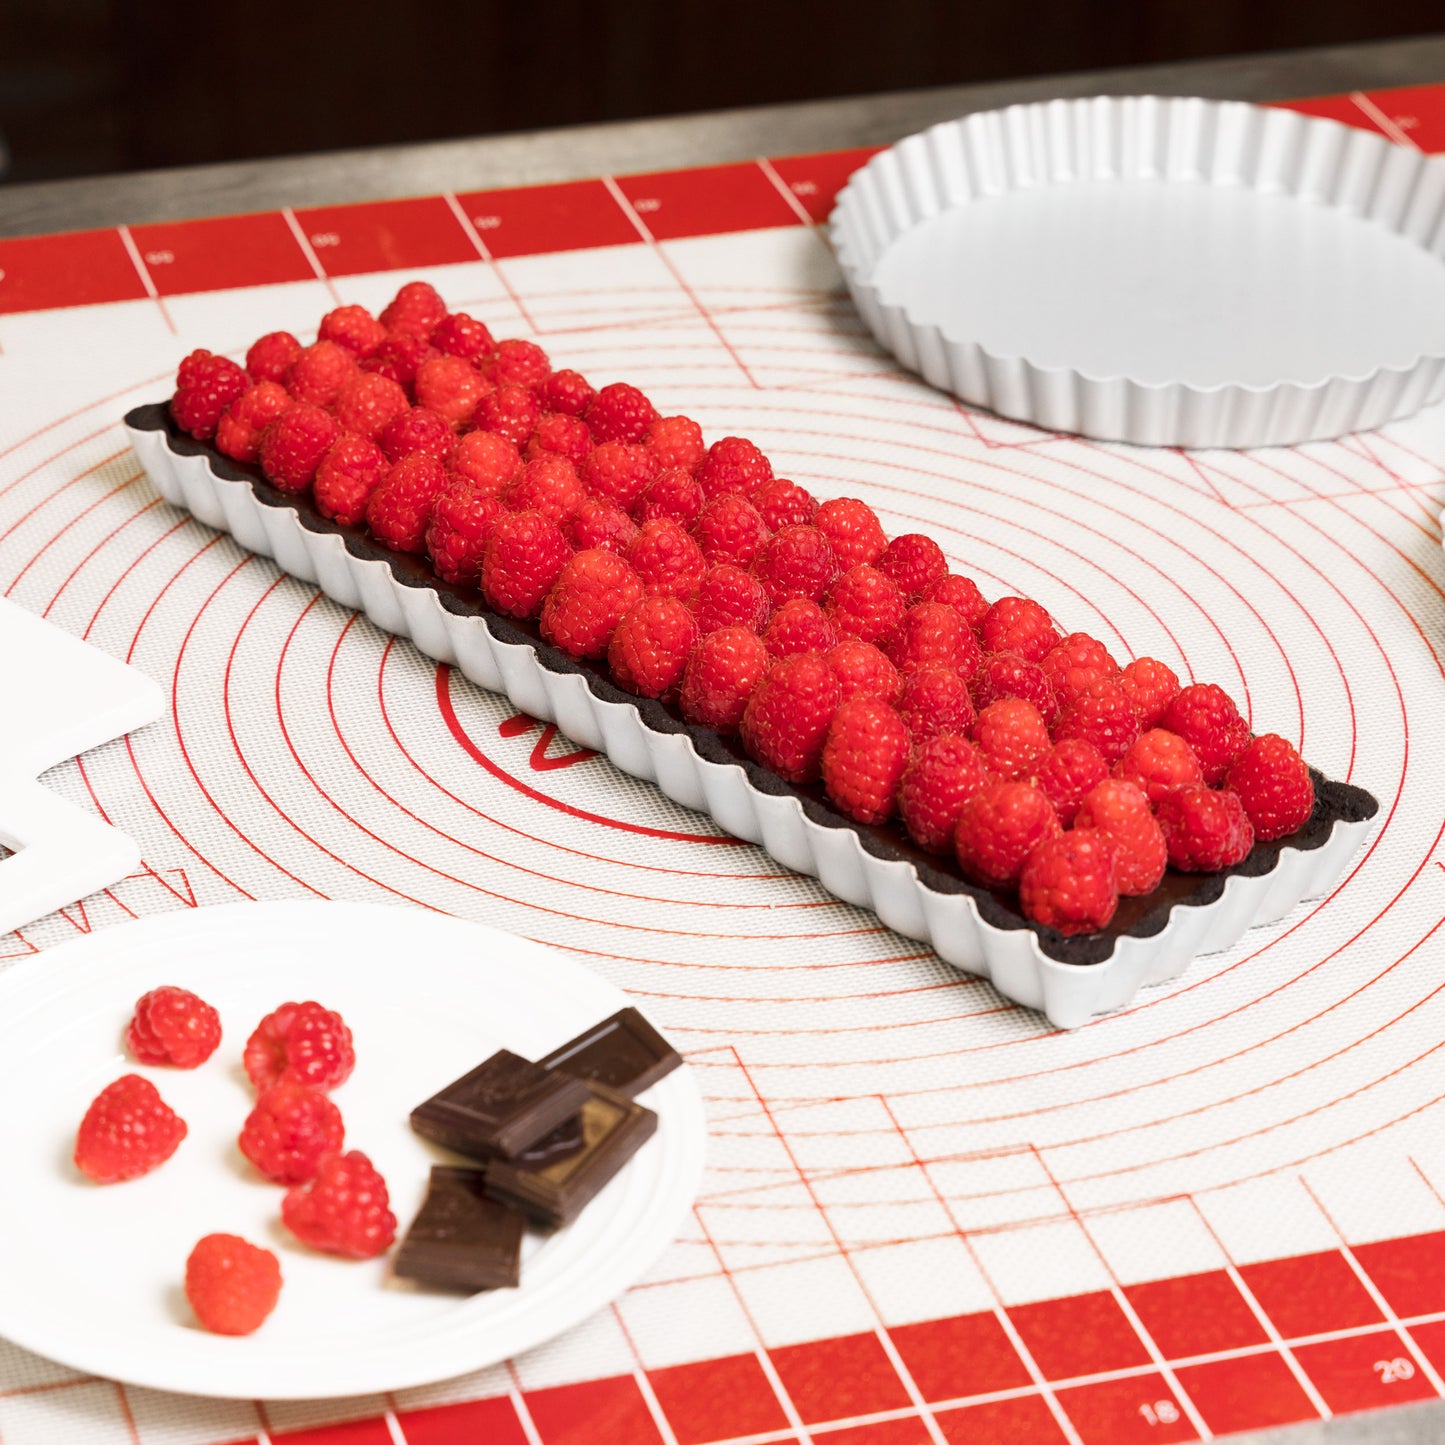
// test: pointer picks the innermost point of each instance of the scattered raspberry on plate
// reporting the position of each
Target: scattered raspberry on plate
(300, 1043)
(344, 1210)
(289, 1130)
(173, 1026)
(127, 1131)
(232, 1284)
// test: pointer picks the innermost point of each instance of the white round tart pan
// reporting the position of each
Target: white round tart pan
(1168, 272)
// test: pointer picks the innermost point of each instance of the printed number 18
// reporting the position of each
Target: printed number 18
(1161, 1412)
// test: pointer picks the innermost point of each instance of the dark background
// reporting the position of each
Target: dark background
(90, 86)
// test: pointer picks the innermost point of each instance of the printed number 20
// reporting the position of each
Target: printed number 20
(1392, 1371)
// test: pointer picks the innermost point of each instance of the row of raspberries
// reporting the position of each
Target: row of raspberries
(702, 578)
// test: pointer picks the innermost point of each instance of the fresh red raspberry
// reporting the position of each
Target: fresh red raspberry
(354, 329)
(788, 716)
(799, 626)
(914, 562)
(205, 386)
(398, 358)
(463, 518)
(935, 700)
(961, 594)
(319, 373)
(650, 649)
(620, 413)
(1019, 624)
(560, 435)
(725, 668)
(667, 560)
(1067, 883)
(449, 386)
(1159, 761)
(461, 335)
(733, 466)
(398, 511)
(289, 1130)
(1006, 674)
(854, 530)
(349, 473)
(945, 772)
(568, 392)
(1206, 830)
(172, 1026)
(865, 604)
(1075, 663)
(729, 597)
(863, 671)
(1103, 715)
(232, 1285)
(999, 826)
(127, 1131)
(782, 503)
(1205, 716)
(730, 530)
(1122, 811)
(863, 759)
(295, 444)
(674, 494)
(271, 356)
(600, 523)
(238, 433)
(300, 1043)
(512, 411)
(418, 431)
(1067, 773)
(517, 363)
(1151, 686)
(549, 485)
(1012, 737)
(1274, 784)
(523, 558)
(676, 442)
(417, 309)
(620, 472)
(932, 634)
(592, 593)
(344, 1210)
(485, 459)
(796, 562)
(368, 402)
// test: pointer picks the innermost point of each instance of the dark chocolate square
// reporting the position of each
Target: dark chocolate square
(461, 1239)
(624, 1052)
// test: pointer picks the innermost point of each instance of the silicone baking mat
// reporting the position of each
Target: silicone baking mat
(927, 1217)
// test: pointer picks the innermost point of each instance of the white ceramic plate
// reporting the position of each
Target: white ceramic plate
(91, 1275)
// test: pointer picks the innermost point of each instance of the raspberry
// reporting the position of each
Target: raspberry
(865, 604)
(1151, 686)
(173, 1026)
(649, 651)
(864, 758)
(319, 372)
(782, 503)
(238, 433)
(461, 335)
(1159, 761)
(548, 485)
(733, 465)
(1012, 737)
(560, 435)
(345, 1210)
(853, 529)
(349, 473)
(1103, 715)
(673, 494)
(961, 594)
(932, 634)
(863, 671)
(935, 700)
(729, 597)
(1205, 716)
(300, 1043)
(231, 1284)
(620, 472)
(730, 530)
(417, 431)
(1075, 663)
(450, 387)
(289, 1130)
(676, 441)
(294, 445)
(354, 329)
(512, 411)
(667, 560)
(517, 363)
(1067, 772)
(914, 562)
(463, 518)
(485, 459)
(128, 1131)
(725, 668)
(1122, 811)
(945, 772)
(620, 413)
(1068, 882)
(600, 523)
(398, 511)
(1274, 784)
(205, 386)
(1019, 624)
(592, 593)
(417, 309)
(796, 562)
(799, 626)
(271, 355)
(999, 826)
(1205, 830)
(523, 558)
(368, 402)
(398, 357)
(1006, 674)
(568, 392)
(787, 718)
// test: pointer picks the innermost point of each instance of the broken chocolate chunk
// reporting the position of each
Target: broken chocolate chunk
(461, 1239)
(623, 1052)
